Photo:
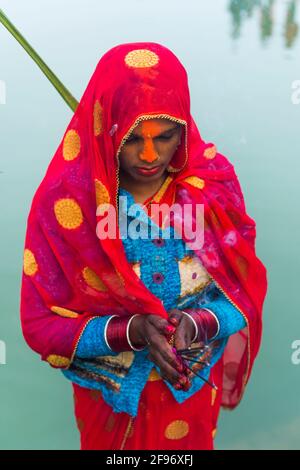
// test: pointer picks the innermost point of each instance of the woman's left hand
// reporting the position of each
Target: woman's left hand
(185, 331)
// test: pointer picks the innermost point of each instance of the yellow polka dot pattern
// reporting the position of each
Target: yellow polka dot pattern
(58, 361)
(97, 118)
(195, 181)
(140, 58)
(29, 263)
(71, 145)
(64, 312)
(177, 429)
(93, 280)
(154, 375)
(210, 152)
(102, 194)
(68, 213)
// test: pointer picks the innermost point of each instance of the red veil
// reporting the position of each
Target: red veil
(70, 275)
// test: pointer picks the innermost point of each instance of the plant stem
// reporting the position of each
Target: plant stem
(62, 90)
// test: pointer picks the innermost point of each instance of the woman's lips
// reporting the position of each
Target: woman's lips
(148, 171)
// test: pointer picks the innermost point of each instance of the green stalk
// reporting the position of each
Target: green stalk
(62, 90)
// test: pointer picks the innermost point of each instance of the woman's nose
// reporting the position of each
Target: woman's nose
(148, 153)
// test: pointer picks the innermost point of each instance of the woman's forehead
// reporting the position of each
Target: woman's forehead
(155, 125)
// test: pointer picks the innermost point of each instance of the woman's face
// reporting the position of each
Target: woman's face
(148, 151)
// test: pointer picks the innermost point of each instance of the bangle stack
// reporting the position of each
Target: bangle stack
(195, 325)
(206, 324)
(116, 334)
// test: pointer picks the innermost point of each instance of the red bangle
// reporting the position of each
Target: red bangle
(207, 324)
(116, 334)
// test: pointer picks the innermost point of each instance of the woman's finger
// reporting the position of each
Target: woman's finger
(166, 370)
(182, 338)
(161, 324)
(175, 316)
(159, 343)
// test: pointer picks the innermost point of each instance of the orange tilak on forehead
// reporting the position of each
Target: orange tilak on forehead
(150, 129)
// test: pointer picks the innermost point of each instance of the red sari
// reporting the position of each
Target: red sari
(70, 275)
(161, 423)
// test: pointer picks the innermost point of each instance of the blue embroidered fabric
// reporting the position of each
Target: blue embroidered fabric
(175, 275)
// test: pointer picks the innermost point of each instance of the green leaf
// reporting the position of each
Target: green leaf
(62, 90)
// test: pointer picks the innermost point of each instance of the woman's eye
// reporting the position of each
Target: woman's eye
(135, 138)
(164, 137)
(132, 139)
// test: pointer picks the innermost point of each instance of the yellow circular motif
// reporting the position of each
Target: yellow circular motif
(29, 263)
(93, 280)
(97, 118)
(210, 152)
(139, 58)
(177, 429)
(64, 312)
(68, 213)
(154, 375)
(71, 145)
(102, 194)
(58, 361)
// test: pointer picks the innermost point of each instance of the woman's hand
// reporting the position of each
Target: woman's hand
(185, 330)
(154, 330)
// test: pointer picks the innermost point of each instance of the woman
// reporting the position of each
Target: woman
(113, 308)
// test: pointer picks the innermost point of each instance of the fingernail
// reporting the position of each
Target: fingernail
(183, 380)
(180, 368)
(186, 386)
(170, 329)
(177, 386)
(173, 320)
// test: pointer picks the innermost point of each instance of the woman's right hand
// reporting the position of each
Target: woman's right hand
(153, 331)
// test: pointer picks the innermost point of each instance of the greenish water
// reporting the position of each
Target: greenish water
(242, 58)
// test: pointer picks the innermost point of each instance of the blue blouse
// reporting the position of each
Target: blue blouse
(176, 276)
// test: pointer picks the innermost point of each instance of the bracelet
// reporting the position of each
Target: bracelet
(217, 321)
(195, 325)
(105, 330)
(127, 334)
(116, 334)
(203, 324)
